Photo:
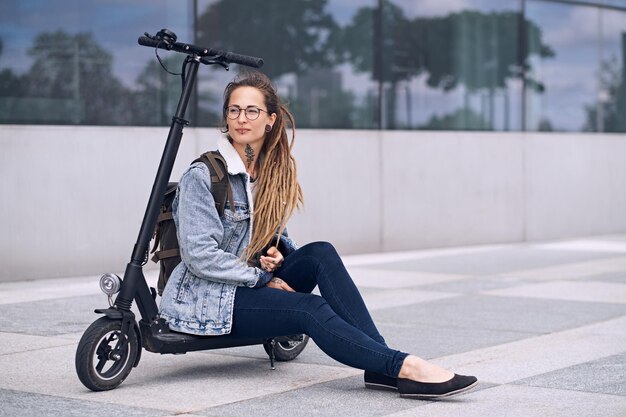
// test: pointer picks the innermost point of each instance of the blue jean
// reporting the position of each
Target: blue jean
(338, 320)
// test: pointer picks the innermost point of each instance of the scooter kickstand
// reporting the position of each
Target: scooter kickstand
(272, 347)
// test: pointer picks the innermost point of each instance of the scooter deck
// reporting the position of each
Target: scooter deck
(177, 343)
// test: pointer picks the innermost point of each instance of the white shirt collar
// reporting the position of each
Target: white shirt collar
(233, 160)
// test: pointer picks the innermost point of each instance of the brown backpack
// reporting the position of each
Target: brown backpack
(168, 255)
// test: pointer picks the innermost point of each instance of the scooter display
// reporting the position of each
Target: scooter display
(111, 346)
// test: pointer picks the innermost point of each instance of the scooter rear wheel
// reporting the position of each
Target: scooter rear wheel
(101, 363)
(287, 348)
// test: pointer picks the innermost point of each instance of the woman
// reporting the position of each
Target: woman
(241, 274)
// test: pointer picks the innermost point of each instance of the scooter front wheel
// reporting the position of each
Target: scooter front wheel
(102, 361)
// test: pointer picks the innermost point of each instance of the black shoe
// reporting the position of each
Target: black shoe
(436, 390)
(383, 382)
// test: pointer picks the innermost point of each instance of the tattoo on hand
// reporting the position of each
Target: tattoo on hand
(249, 155)
(277, 280)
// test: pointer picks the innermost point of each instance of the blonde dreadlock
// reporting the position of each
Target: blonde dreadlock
(278, 193)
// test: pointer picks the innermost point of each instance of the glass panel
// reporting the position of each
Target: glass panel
(562, 82)
(616, 3)
(448, 64)
(609, 115)
(77, 62)
(451, 66)
(306, 46)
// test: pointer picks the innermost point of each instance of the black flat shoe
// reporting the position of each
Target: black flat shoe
(436, 390)
(383, 382)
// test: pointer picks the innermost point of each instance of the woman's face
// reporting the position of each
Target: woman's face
(248, 127)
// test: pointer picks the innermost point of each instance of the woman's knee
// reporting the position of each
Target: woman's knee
(321, 250)
(316, 308)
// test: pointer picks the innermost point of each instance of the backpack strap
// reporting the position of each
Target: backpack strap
(163, 217)
(220, 184)
(164, 254)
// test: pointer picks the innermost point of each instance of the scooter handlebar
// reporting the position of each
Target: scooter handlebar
(185, 48)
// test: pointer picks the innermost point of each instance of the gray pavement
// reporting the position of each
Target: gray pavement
(543, 326)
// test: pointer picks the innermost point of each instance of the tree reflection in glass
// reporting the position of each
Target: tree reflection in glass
(472, 50)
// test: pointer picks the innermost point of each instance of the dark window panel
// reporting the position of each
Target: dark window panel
(76, 62)
(307, 49)
(561, 90)
(610, 110)
(451, 68)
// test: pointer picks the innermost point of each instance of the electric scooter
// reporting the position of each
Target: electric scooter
(112, 345)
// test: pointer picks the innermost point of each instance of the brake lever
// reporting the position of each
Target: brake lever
(217, 60)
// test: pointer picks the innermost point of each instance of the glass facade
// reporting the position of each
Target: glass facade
(580, 83)
(503, 65)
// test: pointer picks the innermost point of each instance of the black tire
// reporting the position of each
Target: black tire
(98, 365)
(287, 348)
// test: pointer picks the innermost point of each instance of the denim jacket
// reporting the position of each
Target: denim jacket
(200, 293)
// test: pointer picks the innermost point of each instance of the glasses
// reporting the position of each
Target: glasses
(251, 112)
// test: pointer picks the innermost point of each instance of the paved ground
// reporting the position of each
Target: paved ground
(543, 326)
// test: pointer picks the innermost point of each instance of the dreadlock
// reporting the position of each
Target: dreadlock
(278, 193)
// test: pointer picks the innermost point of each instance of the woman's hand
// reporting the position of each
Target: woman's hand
(279, 284)
(273, 260)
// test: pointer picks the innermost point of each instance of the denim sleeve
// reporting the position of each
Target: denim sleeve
(200, 232)
(264, 279)
(287, 245)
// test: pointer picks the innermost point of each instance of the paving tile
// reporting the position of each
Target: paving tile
(496, 262)
(605, 376)
(385, 279)
(343, 397)
(174, 383)
(10, 293)
(538, 355)
(53, 288)
(615, 276)
(19, 403)
(476, 285)
(381, 299)
(586, 245)
(516, 314)
(613, 238)
(600, 292)
(52, 317)
(370, 259)
(576, 270)
(431, 342)
(522, 401)
(15, 342)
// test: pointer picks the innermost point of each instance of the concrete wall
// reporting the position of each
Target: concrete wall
(74, 196)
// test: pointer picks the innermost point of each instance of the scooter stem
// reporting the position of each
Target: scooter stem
(133, 276)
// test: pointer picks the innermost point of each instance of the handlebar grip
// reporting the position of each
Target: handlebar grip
(146, 41)
(250, 61)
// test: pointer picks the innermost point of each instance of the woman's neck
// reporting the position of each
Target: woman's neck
(249, 154)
